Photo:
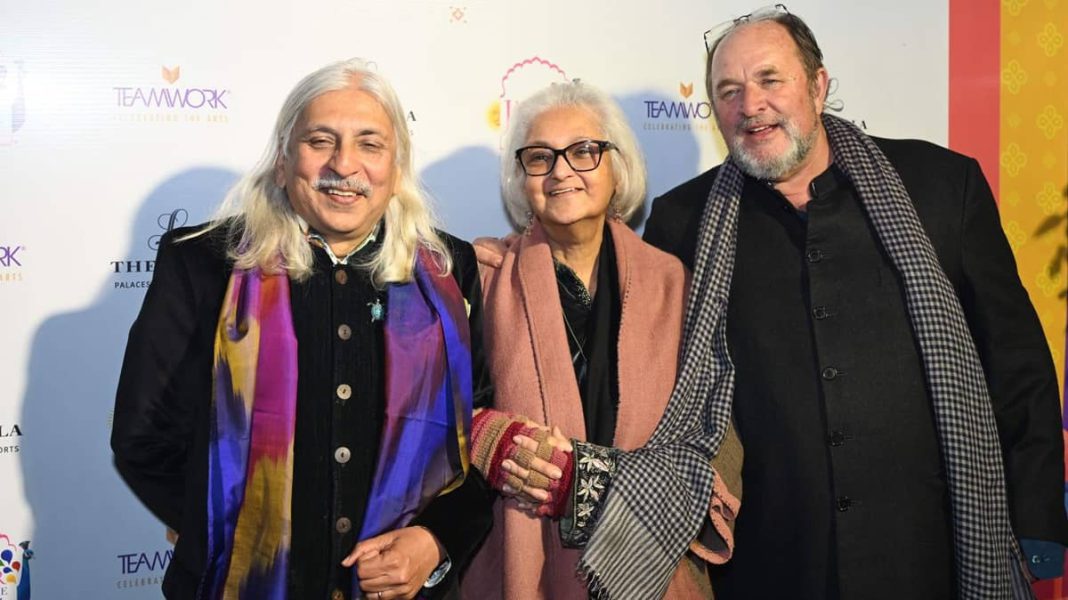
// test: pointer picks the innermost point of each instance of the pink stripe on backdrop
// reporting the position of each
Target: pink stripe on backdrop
(975, 82)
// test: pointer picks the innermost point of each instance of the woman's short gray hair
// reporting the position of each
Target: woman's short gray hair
(628, 167)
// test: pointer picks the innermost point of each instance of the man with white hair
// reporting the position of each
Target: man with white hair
(856, 303)
(297, 389)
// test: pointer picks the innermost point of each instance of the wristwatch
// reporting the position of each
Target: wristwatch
(439, 573)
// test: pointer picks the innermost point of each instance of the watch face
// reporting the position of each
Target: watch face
(439, 573)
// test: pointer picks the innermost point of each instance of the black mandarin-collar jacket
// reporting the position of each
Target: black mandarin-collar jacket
(160, 434)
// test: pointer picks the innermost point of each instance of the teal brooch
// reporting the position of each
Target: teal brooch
(377, 310)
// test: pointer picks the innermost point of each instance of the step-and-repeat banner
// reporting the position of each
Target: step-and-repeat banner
(121, 120)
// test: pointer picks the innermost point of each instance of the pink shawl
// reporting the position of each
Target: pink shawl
(522, 559)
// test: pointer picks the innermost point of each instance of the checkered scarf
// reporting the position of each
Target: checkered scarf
(659, 493)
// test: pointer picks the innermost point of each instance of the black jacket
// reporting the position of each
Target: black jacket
(959, 214)
(160, 435)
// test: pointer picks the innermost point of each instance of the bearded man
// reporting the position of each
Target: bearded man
(888, 376)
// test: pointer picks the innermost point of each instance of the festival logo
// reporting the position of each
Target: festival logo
(521, 80)
(172, 99)
(458, 14)
(10, 437)
(684, 112)
(140, 569)
(136, 273)
(11, 259)
(12, 99)
(14, 569)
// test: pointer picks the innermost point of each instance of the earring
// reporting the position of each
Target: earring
(530, 223)
(615, 214)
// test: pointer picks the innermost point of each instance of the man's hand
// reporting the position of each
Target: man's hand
(490, 250)
(396, 564)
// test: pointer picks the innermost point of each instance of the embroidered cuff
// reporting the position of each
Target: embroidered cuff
(595, 466)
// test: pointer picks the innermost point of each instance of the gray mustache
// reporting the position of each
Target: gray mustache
(757, 122)
(357, 186)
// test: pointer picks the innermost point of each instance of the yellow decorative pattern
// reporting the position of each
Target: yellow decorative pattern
(1013, 77)
(1049, 286)
(1034, 152)
(1049, 121)
(1011, 199)
(1013, 6)
(1048, 199)
(1016, 235)
(1050, 39)
(1013, 159)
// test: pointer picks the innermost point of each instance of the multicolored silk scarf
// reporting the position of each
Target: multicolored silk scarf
(423, 450)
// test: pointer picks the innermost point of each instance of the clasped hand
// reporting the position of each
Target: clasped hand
(395, 564)
(536, 474)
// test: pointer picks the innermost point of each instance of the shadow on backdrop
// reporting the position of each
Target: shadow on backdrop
(672, 156)
(465, 186)
(92, 537)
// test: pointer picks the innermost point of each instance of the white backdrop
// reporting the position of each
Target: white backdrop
(98, 157)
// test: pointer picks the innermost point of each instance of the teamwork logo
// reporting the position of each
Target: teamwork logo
(11, 259)
(172, 100)
(12, 99)
(171, 95)
(521, 80)
(15, 568)
(142, 569)
(684, 112)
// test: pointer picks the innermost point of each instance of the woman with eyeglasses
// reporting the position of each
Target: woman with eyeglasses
(583, 323)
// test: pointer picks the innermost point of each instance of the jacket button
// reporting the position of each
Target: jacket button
(829, 373)
(343, 525)
(337, 595)
(344, 331)
(843, 503)
(341, 276)
(344, 391)
(820, 312)
(836, 439)
(342, 455)
(814, 255)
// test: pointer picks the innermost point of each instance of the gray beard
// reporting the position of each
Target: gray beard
(776, 167)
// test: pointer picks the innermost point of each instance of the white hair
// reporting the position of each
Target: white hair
(628, 167)
(266, 232)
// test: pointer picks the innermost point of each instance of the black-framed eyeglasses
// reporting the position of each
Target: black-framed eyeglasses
(759, 14)
(584, 155)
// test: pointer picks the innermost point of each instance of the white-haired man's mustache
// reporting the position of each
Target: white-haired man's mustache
(356, 186)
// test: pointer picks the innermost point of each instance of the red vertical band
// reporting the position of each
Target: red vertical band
(975, 82)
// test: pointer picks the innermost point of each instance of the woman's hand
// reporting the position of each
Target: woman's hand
(537, 474)
(396, 564)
